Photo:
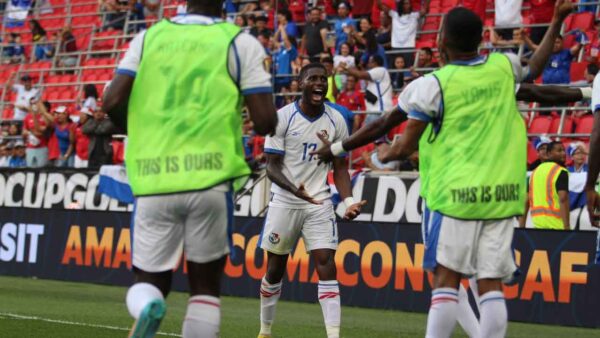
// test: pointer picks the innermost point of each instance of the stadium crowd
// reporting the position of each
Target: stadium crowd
(371, 48)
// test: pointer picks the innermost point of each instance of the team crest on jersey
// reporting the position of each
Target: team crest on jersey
(324, 132)
(274, 238)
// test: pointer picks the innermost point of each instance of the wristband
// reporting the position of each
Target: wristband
(586, 92)
(348, 201)
(337, 149)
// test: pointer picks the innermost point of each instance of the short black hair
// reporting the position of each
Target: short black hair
(462, 30)
(327, 59)
(265, 34)
(592, 69)
(315, 9)
(553, 144)
(309, 66)
(47, 105)
(285, 12)
(377, 59)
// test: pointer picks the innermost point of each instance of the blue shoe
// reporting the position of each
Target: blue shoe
(147, 324)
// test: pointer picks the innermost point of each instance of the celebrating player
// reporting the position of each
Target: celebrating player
(472, 147)
(180, 100)
(300, 205)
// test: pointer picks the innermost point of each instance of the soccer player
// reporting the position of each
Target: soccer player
(300, 205)
(473, 153)
(593, 200)
(181, 103)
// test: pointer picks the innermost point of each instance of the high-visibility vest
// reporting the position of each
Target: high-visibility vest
(544, 202)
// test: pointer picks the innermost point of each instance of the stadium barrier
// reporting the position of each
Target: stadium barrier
(54, 224)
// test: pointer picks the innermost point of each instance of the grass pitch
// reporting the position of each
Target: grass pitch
(44, 308)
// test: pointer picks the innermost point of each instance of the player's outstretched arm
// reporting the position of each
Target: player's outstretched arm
(277, 174)
(262, 112)
(593, 200)
(116, 99)
(538, 61)
(552, 94)
(407, 144)
(363, 136)
(341, 178)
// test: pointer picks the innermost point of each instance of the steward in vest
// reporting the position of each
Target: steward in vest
(178, 92)
(549, 191)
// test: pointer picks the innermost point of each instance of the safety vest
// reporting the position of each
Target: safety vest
(544, 203)
(184, 117)
(475, 150)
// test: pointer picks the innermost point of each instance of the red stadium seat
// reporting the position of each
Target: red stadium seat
(540, 125)
(53, 96)
(585, 125)
(397, 130)
(583, 21)
(567, 125)
(8, 113)
(356, 155)
(578, 70)
(67, 95)
(531, 153)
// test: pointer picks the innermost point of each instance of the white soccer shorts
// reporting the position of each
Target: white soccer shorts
(479, 249)
(194, 222)
(284, 226)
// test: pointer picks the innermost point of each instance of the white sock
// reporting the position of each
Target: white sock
(465, 315)
(442, 313)
(329, 297)
(203, 317)
(139, 295)
(269, 295)
(494, 316)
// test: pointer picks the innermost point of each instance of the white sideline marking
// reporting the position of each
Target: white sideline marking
(66, 322)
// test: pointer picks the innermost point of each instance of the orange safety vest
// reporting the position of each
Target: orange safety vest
(544, 202)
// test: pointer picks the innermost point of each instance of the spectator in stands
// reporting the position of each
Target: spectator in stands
(558, 69)
(115, 12)
(400, 77)
(261, 27)
(298, 10)
(81, 140)
(541, 13)
(314, 41)
(541, 146)
(343, 25)
(286, 53)
(62, 130)
(44, 48)
(266, 7)
(577, 151)
(25, 93)
(378, 93)
(344, 56)
(14, 52)
(4, 155)
(89, 97)
(358, 39)
(36, 136)
(372, 160)
(498, 40)
(100, 130)
(151, 7)
(353, 99)
(361, 8)
(37, 31)
(405, 23)
(425, 60)
(372, 48)
(384, 33)
(284, 17)
(240, 21)
(13, 130)
(265, 40)
(17, 160)
(68, 44)
(332, 87)
(507, 17)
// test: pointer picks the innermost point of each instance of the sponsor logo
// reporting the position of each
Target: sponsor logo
(19, 242)
(274, 238)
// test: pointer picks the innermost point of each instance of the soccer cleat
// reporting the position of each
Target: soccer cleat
(147, 324)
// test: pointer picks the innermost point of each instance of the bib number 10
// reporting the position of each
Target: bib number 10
(308, 148)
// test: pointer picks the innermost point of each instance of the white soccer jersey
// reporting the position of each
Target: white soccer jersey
(295, 137)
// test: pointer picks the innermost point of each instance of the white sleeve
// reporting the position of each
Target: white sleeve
(421, 99)
(521, 72)
(596, 95)
(393, 14)
(377, 74)
(276, 144)
(17, 87)
(131, 61)
(246, 65)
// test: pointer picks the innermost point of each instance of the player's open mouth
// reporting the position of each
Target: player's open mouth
(318, 95)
